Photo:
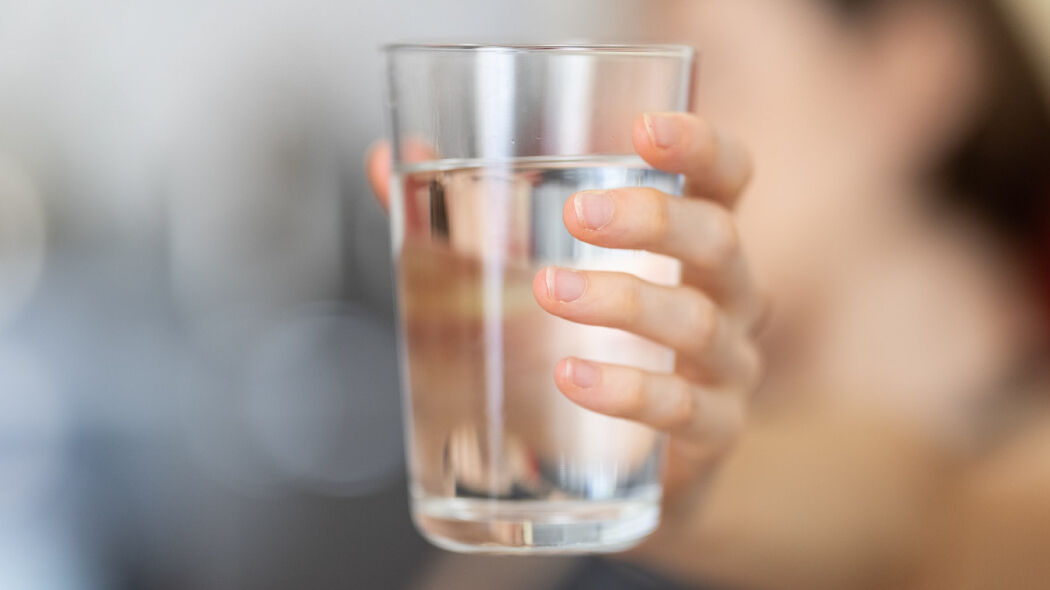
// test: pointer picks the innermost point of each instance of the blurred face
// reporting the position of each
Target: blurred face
(839, 119)
(773, 74)
(869, 285)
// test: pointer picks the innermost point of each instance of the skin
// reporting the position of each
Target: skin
(837, 446)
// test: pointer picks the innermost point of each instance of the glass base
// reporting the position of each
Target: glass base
(535, 527)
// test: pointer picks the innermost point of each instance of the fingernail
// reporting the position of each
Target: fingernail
(565, 285)
(663, 130)
(582, 373)
(594, 209)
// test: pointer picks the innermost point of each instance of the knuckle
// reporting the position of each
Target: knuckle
(704, 147)
(633, 403)
(630, 305)
(736, 163)
(703, 325)
(683, 408)
(747, 171)
(660, 217)
(724, 241)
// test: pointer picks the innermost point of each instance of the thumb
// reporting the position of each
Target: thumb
(377, 166)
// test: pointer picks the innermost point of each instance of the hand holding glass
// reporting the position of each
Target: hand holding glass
(489, 144)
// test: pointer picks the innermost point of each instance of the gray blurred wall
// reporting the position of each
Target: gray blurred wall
(197, 383)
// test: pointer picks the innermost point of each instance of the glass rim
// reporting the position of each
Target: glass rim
(625, 49)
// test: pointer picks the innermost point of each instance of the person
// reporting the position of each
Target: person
(859, 397)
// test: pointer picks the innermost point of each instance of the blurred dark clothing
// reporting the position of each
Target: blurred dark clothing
(595, 573)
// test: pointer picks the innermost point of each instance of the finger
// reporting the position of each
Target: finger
(700, 233)
(715, 167)
(664, 402)
(679, 317)
(747, 367)
(377, 165)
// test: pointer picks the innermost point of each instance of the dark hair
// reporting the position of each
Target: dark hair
(1000, 171)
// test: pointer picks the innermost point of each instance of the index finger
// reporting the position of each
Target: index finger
(715, 167)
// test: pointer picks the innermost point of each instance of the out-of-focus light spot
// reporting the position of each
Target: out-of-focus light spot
(22, 244)
(213, 424)
(323, 400)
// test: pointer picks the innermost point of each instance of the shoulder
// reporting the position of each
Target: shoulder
(996, 519)
(1014, 477)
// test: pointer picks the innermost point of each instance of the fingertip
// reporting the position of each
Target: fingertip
(541, 286)
(640, 137)
(578, 380)
(662, 139)
(735, 164)
(563, 375)
(570, 217)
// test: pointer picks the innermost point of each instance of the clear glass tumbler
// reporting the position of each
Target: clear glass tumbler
(489, 142)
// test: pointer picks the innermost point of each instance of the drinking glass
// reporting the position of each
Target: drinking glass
(489, 142)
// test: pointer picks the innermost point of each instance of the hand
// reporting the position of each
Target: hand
(708, 320)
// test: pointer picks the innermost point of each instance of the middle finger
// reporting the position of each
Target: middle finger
(682, 318)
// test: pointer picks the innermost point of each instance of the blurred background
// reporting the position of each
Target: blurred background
(197, 359)
(198, 383)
